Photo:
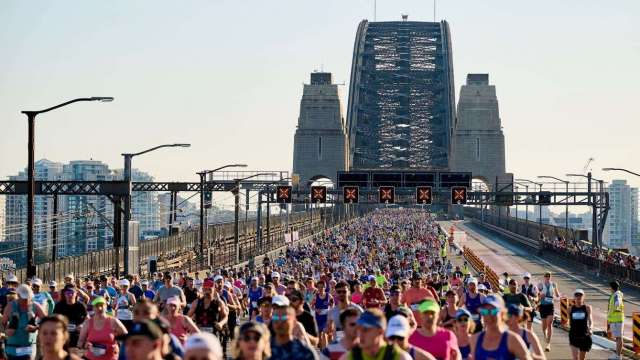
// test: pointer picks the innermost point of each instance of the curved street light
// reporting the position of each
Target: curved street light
(566, 209)
(31, 190)
(620, 169)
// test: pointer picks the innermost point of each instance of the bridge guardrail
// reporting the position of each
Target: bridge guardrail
(219, 244)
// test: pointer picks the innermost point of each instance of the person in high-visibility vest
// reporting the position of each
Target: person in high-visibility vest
(615, 315)
(443, 252)
(465, 270)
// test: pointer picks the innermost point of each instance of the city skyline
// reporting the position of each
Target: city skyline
(172, 79)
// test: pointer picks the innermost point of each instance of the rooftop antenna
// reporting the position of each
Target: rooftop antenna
(375, 9)
(405, 17)
(434, 10)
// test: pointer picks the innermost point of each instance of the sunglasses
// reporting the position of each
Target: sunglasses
(463, 320)
(279, 317)
(341, 291)
(396, 338)
(577, 295)
(487, 312)
(250, 337)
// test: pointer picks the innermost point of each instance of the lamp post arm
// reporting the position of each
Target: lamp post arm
(66, 103)
(156, 148)
(620, 169)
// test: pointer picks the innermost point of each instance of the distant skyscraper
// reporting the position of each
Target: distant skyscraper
(87, 230)
(622, 223)
(16, 207)
(144, 204)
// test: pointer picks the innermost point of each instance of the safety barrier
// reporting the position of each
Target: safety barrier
(636, 332)
(480, 266)
(565, 303)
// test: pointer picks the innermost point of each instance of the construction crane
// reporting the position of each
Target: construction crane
(586, 167)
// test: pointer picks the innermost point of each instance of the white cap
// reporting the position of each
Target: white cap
(218, 277)
(472, 280)
(36, 281)
(398, 326)
(24, 292)
(124, 282)
(12, 278)
(228, 285)
(144, 282)
(53, 283)
(275, 274)
(204, 341)
(526, 275)
(70, 276)
(579, 291)
(280, 300)
(482, 287)
(173, 300)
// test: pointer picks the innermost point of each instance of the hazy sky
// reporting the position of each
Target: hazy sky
(227, 75)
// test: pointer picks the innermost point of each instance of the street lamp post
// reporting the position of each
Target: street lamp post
(566, 210)
(203, 175)
(595, 235)
(526, 207)
(539, 206)
(31, 190)
(127, 203)
(236, 196)
(620, 169)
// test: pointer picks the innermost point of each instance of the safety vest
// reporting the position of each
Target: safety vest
(465, 269)
(615, 315)
(443, 252)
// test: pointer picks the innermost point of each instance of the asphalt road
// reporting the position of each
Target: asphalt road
(502, 255)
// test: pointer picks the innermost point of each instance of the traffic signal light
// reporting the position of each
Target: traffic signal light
(319, 194)
(458, 195)
(423, 195)
(283, 194)
(386, 194)
(207, 199)
(351, 194)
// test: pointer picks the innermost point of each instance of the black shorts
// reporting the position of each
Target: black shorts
(581, 341)
(546, 310)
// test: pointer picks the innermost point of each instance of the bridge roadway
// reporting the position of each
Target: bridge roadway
(502, 255)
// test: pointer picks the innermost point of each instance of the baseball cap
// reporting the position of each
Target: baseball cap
(526, 275)
(416, 276)
(207, 284)
(204, 341)
(280, 300)
(371, 278)
(98, 300)
(145, 328)
(579, 291)
(253, 326)
(472, 280)
(429, 305)
(144, 282)
(495, 301)
(12, 279)
(481, 287)
(173, 301)
(265, 299)
(36, 282)
(369, 319)
(275, 274)
(228, 285)
(398, 326)
(124, 282)
(404, 311)
(69, 276)
(462, 312)
(53, 283)
(24, 292)
(218, 278)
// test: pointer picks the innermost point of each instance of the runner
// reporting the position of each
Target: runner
(397, 333)
(124, 302)
(463, 328)
(98, 335)
(371, 330)
(530, 339)
(531, 291)
(251, 343)
(615, 316)
(437, 341)
(75, 311)
(20, 322)
(209, 312)
(496, 341)
(447, 316)
(53, 339)
(472, 300)
(343, 302)
(348, 335)
(580, 324)
(181, 325)
(548, 293)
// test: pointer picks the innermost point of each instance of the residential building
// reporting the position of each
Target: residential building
(621, 231)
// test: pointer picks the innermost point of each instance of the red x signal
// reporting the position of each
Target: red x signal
(319, 194)
(350, 194)
(386, 194)
(423, 195)
(283, 194)
(459, 195)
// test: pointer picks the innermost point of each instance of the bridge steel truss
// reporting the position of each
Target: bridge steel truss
(401, 96)
(118, 190)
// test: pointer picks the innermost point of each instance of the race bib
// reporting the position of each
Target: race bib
(548, 299)
(475, 317)
(71, 327)
(207, 329)
(339, 335)
(322, 311)
(580, 315)
(254, 304)
(23, 351)
(98, 350)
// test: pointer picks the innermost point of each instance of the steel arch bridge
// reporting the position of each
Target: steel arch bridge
(401, 98)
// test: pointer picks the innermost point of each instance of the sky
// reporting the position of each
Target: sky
(227, 75)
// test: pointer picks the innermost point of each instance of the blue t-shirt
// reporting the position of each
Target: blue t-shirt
(294, 349)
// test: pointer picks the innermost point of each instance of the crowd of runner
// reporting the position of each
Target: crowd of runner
(382, 286)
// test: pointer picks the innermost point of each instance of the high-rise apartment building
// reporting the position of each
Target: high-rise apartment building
(622, 224)
(144, 204)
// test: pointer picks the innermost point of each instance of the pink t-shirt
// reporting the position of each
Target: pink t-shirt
(356, 298)
(438, 345)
